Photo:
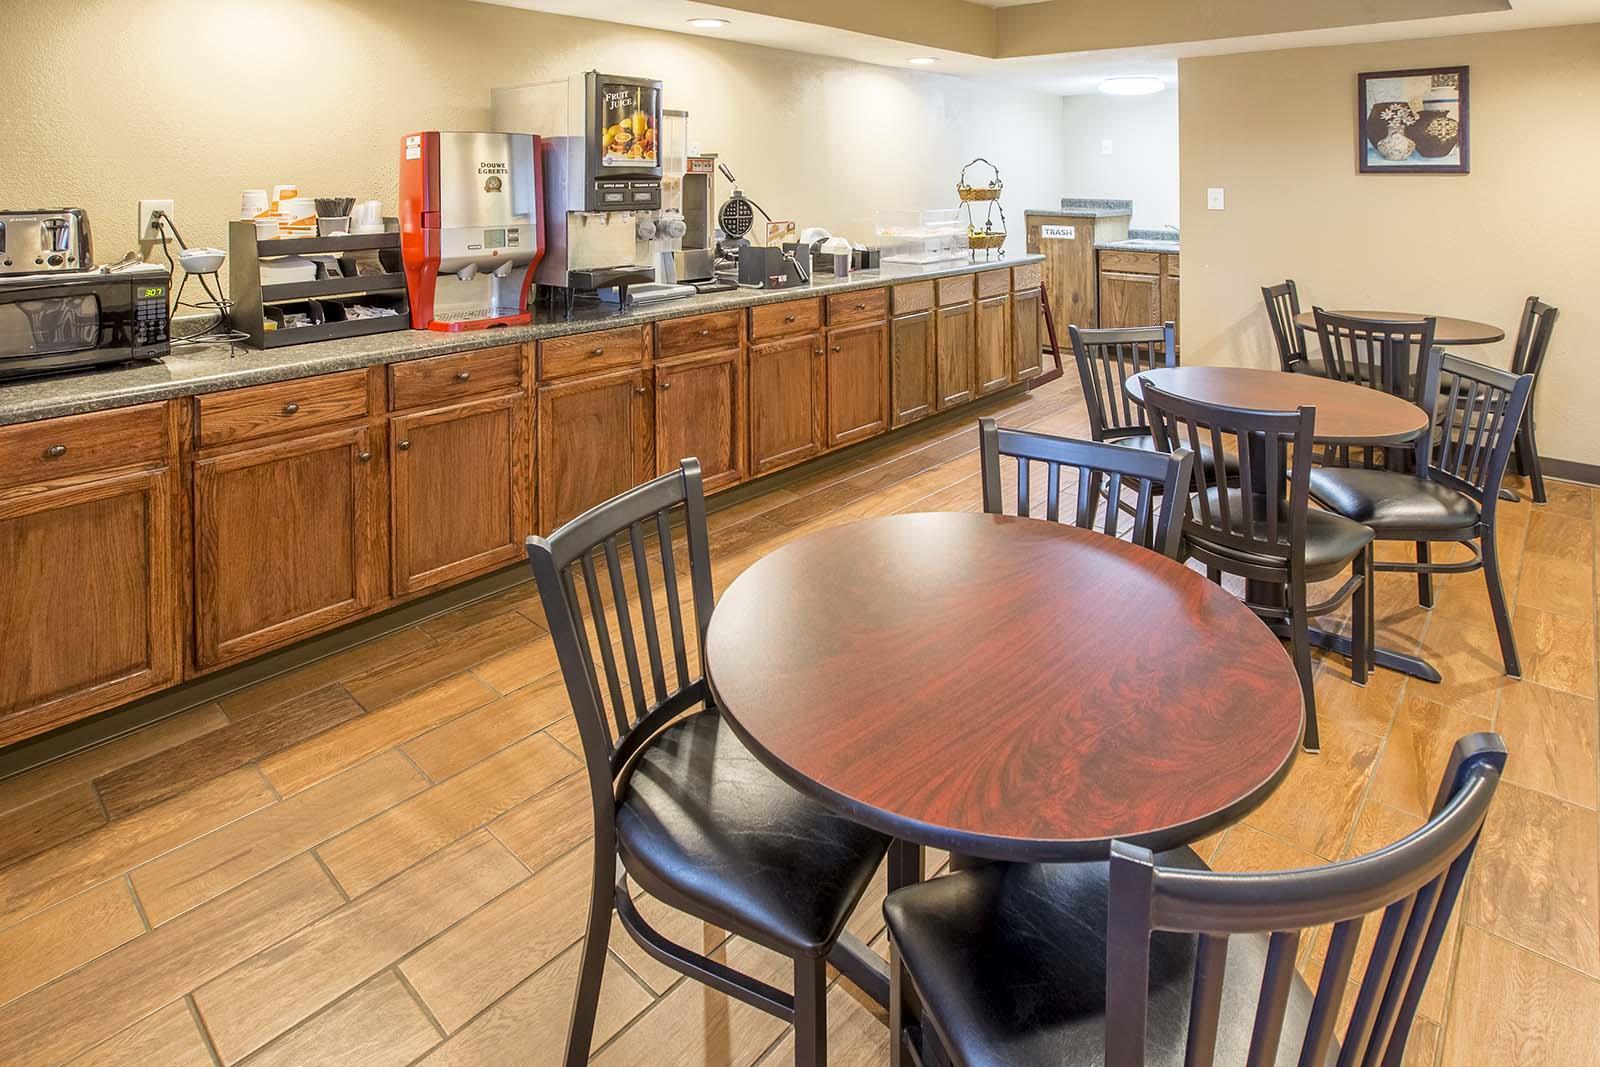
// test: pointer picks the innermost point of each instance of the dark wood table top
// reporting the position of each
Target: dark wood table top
(1447, 331)
(1002, 687)
(1347, 414)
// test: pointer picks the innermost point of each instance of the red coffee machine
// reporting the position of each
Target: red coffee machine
(471, 227)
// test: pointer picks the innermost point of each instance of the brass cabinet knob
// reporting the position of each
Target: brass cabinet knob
(861, 307)
(290, 408)
(640, 390)
(597, 351)
(363, 457)
(404, 446)
(55, 451)
(836, 348)
(462, 376)
(705, 333)
(666, 385)
(788, 318)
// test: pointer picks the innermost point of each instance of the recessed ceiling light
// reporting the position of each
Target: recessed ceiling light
(922, 61)
(1132, 86)
(708, 24)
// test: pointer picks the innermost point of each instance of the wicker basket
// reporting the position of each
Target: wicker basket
(969, 193)
(986, 239)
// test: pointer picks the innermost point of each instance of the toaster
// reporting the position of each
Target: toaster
(45, 241)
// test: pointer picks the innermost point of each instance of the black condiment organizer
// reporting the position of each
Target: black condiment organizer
(324, 299)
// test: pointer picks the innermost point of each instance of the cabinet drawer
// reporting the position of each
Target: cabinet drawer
(263, 410)
(78, 444)
(957, 290)
(585, 352)
(870, 305)
(443, 379)
(1027, 276)
(993, 283)
(1172, 265)
(698, 333)
(912, 297)
(779, 320)
(1131, 262)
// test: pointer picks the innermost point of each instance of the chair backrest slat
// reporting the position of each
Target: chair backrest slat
(1336, 966)
(1283, 304)
(1095, 465)
(647, 610)
(1205, 1000)
(1106, 360)
(1381, 354)
(1276, 978)
(669, 573)
(1360, 1030)
(597, 610)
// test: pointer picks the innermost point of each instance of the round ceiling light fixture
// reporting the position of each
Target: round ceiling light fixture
(922, 61)
(708, 24)
(1132, 85)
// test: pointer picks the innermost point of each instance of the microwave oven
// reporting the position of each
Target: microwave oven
(75, 319)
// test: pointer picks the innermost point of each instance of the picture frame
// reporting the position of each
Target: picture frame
(1413, 121)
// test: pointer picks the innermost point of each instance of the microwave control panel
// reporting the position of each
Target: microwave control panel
(150, 316)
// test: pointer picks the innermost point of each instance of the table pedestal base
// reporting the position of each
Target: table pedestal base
(1273, 595)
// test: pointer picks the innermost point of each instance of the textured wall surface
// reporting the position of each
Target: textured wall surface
(1143, 164)
(198, 99)
(1277, 130)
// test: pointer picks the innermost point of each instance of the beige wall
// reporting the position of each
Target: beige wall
(822, 141)
(1277, 130)
(1143, 164)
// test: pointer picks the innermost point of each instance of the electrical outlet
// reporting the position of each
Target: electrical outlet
(1105, 147)
(148, 231)
(1214, 199)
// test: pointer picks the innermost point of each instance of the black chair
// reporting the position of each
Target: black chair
(1378, 353)
(1533, 341)
(1158, 960)
(1283, 304)
(1265, 530)
(1456, 491)
(1106, 360)
(1099, 467)
(686, 810)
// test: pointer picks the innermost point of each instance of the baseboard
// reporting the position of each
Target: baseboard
(1570, 470)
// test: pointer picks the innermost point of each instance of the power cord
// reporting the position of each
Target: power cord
(215, 330)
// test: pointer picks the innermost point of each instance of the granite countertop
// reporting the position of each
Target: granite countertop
(192, 369)
(1080, 207)
(1141, 244)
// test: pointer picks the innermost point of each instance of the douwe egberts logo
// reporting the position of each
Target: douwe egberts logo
(494, 180)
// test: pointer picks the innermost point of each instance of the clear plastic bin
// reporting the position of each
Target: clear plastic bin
(932, 235)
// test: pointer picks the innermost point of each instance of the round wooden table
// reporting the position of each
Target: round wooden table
(1347, 414)
(1004, 688)
(1447, 331)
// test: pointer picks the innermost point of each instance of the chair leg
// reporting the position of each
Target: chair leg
(1497, 604)
(1424, 579)
(592, 965)
(1528, 458)
(1300, 643)
(811, 1011)
(1361, 619)
(1214, 574)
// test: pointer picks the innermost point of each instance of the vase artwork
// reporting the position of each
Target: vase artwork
(1412, 121)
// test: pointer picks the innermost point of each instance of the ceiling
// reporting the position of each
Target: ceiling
(1067, 46)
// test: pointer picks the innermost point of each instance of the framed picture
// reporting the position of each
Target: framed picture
(1412, 121)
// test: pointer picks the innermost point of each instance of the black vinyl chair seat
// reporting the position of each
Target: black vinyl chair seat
(1230, 462)
(1331, 540)
(1390, 500)
(1011, 961)
(705, 827)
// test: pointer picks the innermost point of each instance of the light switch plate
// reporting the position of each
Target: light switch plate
(1214, 199)
(1105, 147)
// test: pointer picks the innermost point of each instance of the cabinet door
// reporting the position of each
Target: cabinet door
(957, 355)
(700, 412)
(786, 402)
(459, 491)
(594, 442)
(994, 344)
(912, 388)
(1169, 300)
(88, 604)
(858, 383)
(1027, 350)
(1129, 300)
(283, 541)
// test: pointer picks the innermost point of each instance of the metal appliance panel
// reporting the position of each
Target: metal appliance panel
(485, 179)
(45, 241)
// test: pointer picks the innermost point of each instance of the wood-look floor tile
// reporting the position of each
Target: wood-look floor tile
(1468, 658)
(1246, 848)
(102, 998)
(1536, 877)
(379, 1025)
(486, 955)
(171, 1038)
(1559, 584)
(1551, 533)
(68, 869)
(1566, 498)
(694, 1026)
(185, 877)
(52, 942)
(522, 598)
(48, 821)
(165, 774)
(270, 693)
(387, 844)
(1367, 708)
(528, 1026)
(524, 665)
(454, 653)
(1312, 809)
(1464, 599)
(549, 824)
(346, 745)
(1512, 1006)
(266, 995)
(1553, 739)
(856, 1036)
(565, 732)
(1556, 650)
(675, 925)
(1418, 751)
(84, 766)
(458, 744)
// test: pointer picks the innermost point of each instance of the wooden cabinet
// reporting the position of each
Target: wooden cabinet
(594, 442)
(787, 402)
(913, 378)
(857, 382)
(284, 541)
(956, 355)
(700, 412)
(1129, 300)
(460, 490)
(993, 343)
(1027, 349)
(1067, 242)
